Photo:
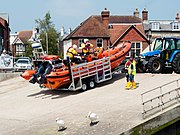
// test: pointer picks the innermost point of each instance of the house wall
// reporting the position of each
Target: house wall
(66, 45)
(132, 35)
(1, 39)
(14, 50)
(5, 34)
(146, 46)
(155, 34)
(93, 41)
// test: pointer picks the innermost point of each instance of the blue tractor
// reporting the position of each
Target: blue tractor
(164, 58)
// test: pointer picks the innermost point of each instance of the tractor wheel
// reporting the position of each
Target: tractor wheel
(176, 63)
(155, 65)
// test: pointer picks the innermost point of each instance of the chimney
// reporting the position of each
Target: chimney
(69, 30)
(105, 17)
(136, 13)
(177, 17)
(144, 15)
(62, 31)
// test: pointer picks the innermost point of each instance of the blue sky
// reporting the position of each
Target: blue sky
(70, 13)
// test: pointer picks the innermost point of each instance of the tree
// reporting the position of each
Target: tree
(48, 32)
(28, 52)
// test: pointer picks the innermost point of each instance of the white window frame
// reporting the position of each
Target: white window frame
(155, 26)
(17, 47)
(176, 26)
(135, 42)
(99, 41)
(20, 48)
(80, 41)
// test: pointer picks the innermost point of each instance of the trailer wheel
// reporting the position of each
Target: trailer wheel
(155, 65)
(84, 87)
(176, 63)
(92, 84)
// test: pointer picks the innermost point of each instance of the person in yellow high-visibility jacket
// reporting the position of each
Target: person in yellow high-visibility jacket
(71, 52)
(86, 46)
(131, 74)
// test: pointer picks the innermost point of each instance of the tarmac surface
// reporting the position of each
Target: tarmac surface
(26, 109)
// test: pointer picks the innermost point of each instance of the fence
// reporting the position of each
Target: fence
(160, 98)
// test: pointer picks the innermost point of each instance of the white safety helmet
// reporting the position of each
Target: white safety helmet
(75, 46)
(85, 40)
(4, 51)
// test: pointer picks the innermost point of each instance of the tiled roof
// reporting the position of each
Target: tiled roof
(25, 35)
(124, 19)
(89, 28)
(121, 19)
(3, 22)
(93, 26)
(117, 31)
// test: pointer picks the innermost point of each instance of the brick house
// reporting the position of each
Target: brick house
(109, 30)
(4, 32)
(19, 41)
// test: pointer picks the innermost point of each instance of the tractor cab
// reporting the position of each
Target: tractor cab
(165, 56)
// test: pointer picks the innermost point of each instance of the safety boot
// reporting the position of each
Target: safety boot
(134, 85)
(128, 86)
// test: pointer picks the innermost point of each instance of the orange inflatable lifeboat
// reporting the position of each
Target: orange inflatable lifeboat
(61, 77)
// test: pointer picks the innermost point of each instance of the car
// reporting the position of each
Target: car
(23, 64)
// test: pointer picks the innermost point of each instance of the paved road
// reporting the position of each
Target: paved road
(25, 109)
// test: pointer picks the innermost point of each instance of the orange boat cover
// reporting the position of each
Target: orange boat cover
(50, 57)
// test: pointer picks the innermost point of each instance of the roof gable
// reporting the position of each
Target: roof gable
(25, 35)
(17, 41)
(129, 33)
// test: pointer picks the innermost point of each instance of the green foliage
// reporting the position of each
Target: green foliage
(28, 52)
(46, 26)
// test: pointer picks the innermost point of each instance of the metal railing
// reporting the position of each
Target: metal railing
(160, 98)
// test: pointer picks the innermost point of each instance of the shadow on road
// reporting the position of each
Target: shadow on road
(116, 77)
(53, 94)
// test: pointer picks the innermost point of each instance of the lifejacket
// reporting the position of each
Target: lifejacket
(71, 52)
(98, 52)
(132, 68)
(86, 47)
(89, 58)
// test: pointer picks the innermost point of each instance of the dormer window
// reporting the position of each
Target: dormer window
(155, 26)
(175, 26)
(110, 27)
